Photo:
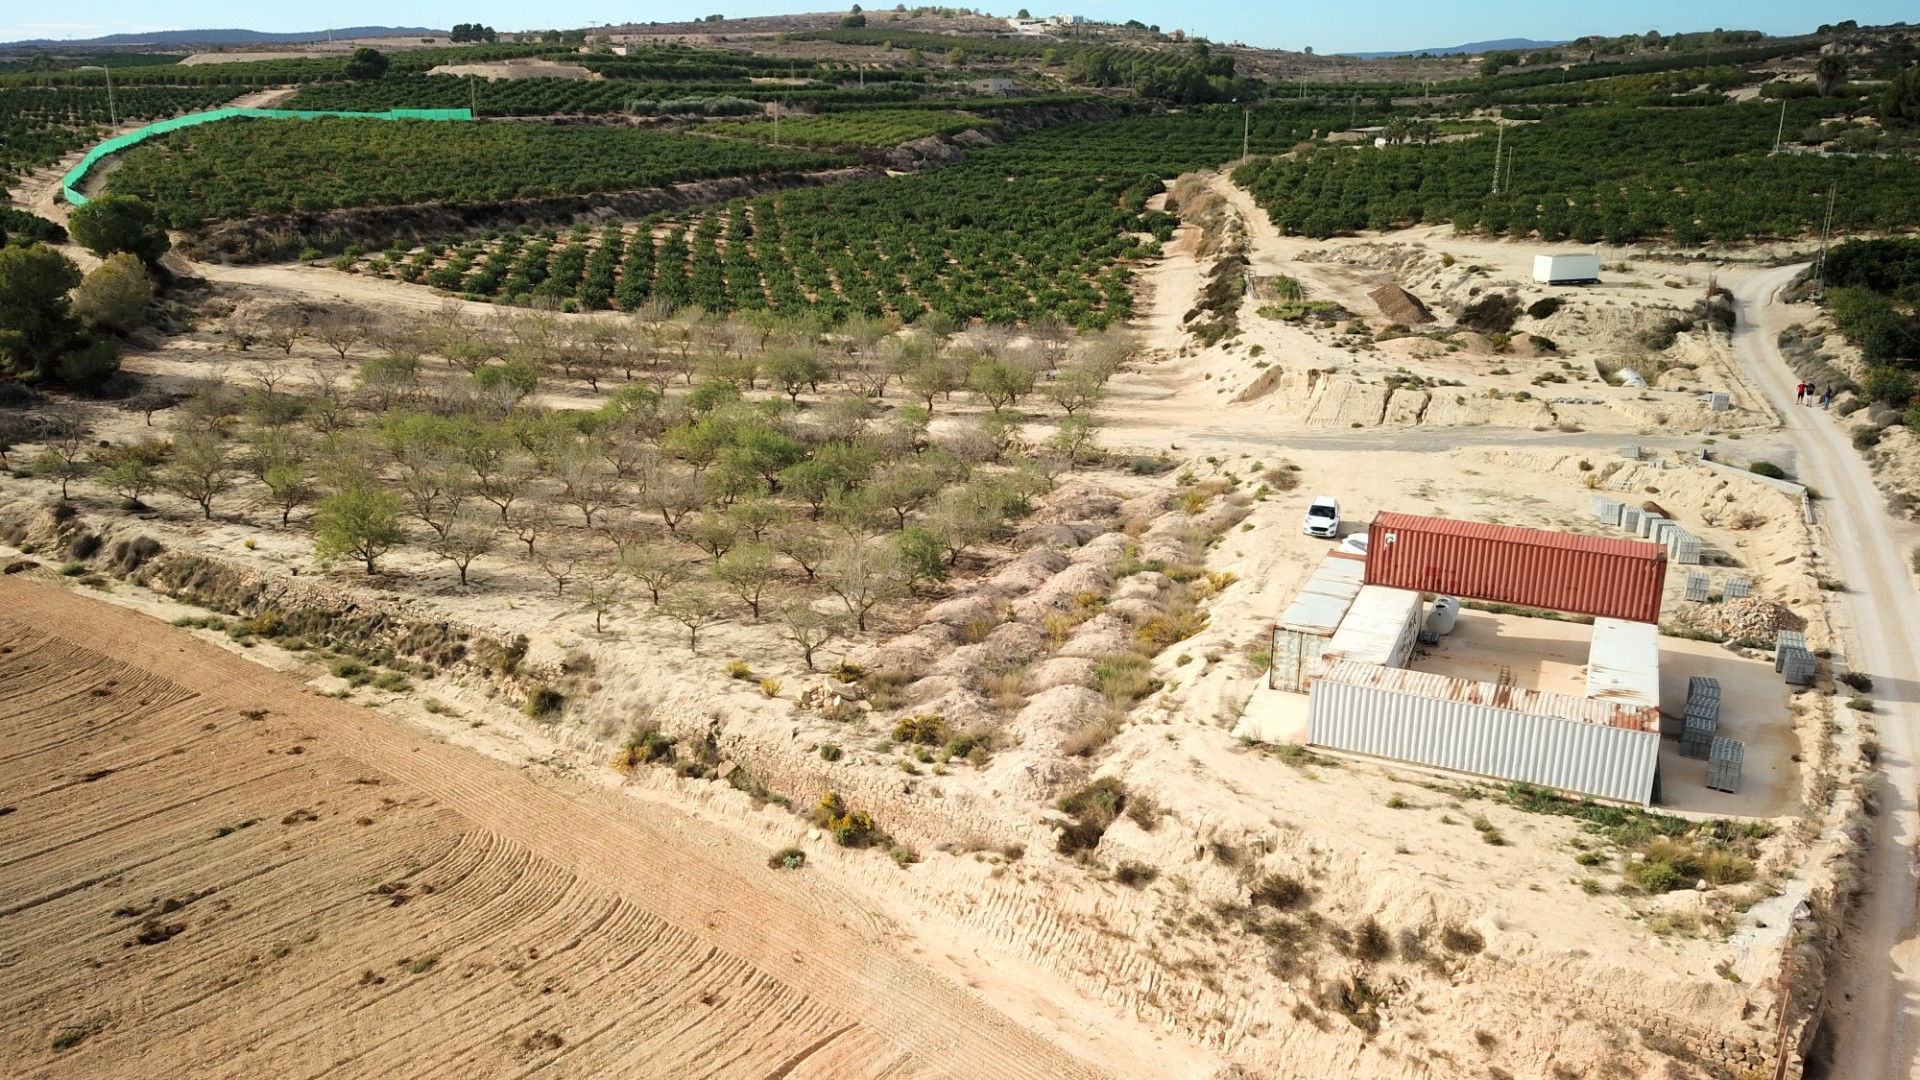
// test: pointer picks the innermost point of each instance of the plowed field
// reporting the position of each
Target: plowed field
(208, 870)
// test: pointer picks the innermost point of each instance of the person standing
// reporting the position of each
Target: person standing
(1812, 392)
(1799, 393)
(1826, 399)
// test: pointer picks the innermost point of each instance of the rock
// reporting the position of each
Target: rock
(1400, 305)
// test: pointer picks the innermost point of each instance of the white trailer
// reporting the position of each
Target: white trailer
(1566, 269)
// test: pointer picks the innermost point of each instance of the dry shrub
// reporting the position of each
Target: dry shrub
(1279, 891)
(1088, 737)
(1371, 942)
(926, 730)
(1282, 477)
(645, 745)
(1143, 811)
(1124, 678)
(1134, 875)
(1007, 689)
(1175, 626)
(975, 630)
(1462, 939)
(886, 689)
(1092, 808)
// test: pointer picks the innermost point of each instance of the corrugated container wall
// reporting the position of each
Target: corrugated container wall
(1566, 755)
(1618, 579)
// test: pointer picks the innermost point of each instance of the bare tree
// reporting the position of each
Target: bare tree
(602, 596)
(500, 480)
(803, 544)
(282, 328)
(864, 575)
(694, 607)
(341, 329)
(585, 484)
(560, 566)
(656, 567)
(528, 524)
(64, 450)
(466, 538)
(672, 494)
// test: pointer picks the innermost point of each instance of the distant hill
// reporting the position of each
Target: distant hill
(224, 37)
(1472, 48)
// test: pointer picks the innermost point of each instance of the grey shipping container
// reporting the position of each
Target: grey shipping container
(1584, 758)
(1296, 659)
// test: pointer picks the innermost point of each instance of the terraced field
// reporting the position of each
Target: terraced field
(207, 870)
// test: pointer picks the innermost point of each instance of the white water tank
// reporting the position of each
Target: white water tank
(1446, 611)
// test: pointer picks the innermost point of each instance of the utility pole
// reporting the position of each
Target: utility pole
(1498, 147)
(1246, 129)
(1782, 133)
(776, 123)
(473, 96)
(113, 110)
(1509, 168)
(1826, 231)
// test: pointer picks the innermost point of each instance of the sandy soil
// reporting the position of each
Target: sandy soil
(213, 871)
(517, 69)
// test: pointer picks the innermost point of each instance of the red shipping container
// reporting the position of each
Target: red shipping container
(1589, 575)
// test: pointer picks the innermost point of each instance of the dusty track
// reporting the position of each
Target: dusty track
(1877, 997)
(397, 907)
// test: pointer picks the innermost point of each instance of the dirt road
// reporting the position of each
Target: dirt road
(1876, 998)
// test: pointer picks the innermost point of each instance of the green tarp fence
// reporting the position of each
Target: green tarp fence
(70, 183)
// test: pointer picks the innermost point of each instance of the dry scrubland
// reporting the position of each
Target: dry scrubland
(1021, 774)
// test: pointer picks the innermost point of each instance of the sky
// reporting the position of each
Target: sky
(1372, 27)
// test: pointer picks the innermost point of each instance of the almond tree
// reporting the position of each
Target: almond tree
(466, 538)
(656, 567)
(808, 627)
(199, 468)
(749, 571)
(694, 607)
(361, 522)
(864, 575)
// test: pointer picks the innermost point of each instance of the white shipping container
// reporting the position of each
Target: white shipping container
(1623, 664)
(1566, 269)
(1380, 628)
